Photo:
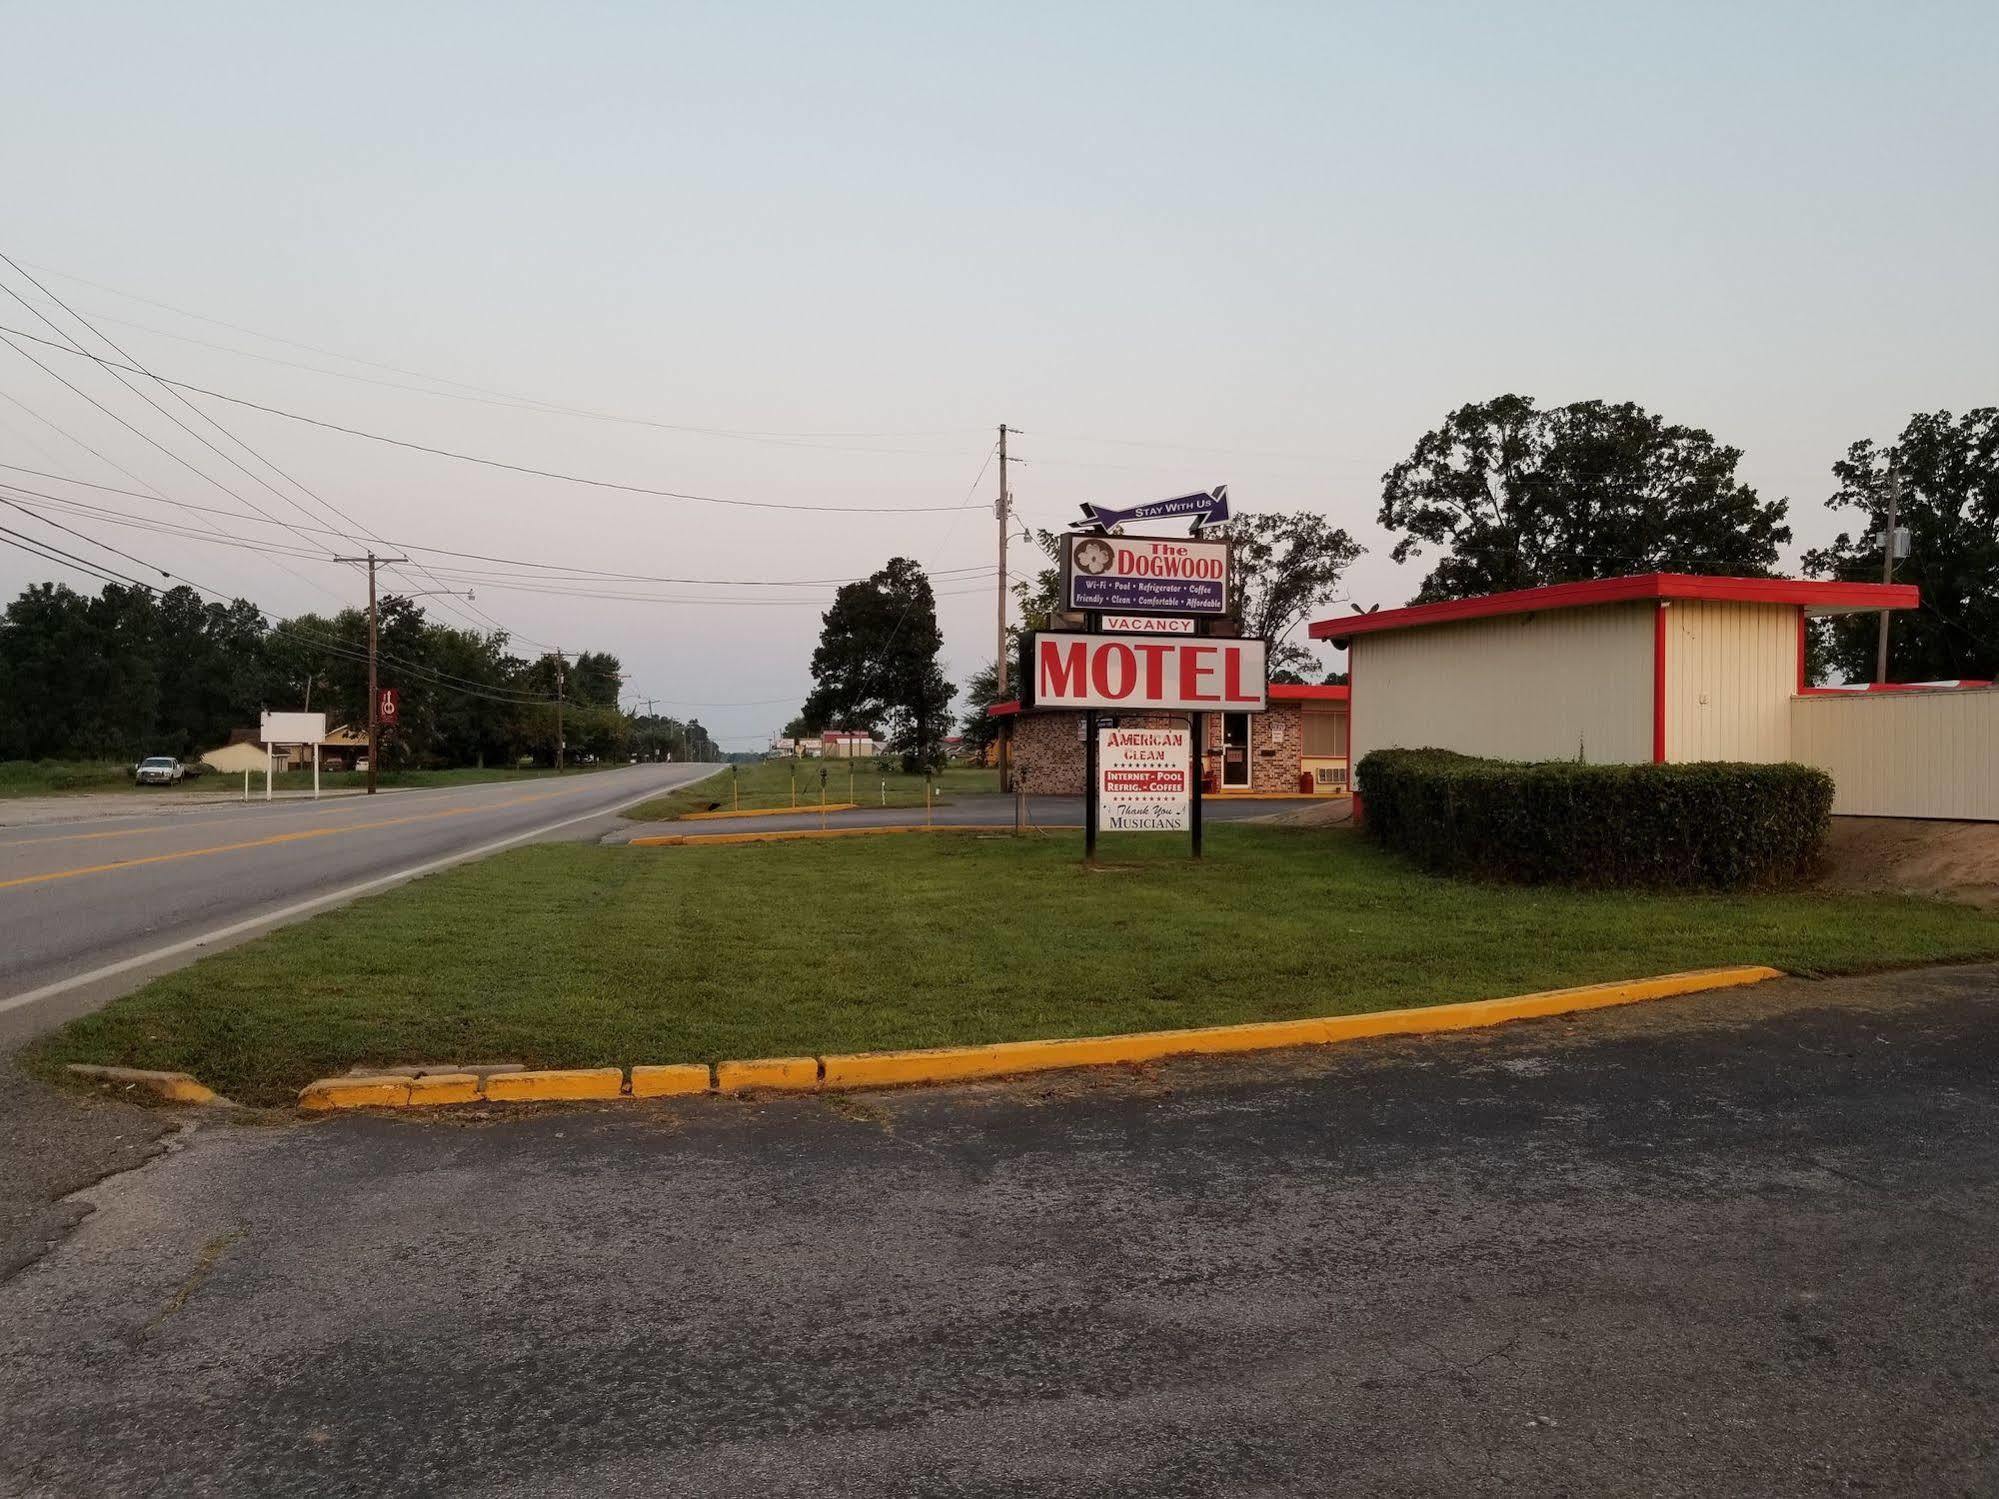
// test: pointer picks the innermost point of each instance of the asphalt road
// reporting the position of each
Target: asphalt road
(82, 896)
(1735, 1244)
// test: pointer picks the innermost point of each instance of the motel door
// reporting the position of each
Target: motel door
(1235, 751)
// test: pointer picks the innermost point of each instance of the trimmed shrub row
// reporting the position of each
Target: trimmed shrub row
(1710, 824)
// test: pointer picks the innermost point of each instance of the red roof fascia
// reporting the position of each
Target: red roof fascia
(1280, 692)
(1812, 596)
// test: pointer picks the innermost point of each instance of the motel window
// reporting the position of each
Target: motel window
(1325, 736)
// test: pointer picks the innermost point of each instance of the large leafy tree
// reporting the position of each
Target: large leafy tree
(1286, 567)
(1950, 503)
(1511, 496)
(877, 664)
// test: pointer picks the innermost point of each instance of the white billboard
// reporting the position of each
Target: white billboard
(1174, 674)
(293, 728)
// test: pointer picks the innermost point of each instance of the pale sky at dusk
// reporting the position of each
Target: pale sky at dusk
(1176, 245)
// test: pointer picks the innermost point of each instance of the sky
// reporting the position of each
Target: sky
(812, 256)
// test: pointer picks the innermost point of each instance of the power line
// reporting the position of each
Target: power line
(296, 483)
(516, 468)
(750, 435)
(557, 568)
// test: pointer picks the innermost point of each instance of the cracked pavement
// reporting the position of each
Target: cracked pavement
(1740, 1243)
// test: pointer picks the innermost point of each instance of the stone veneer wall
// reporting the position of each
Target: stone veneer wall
(1048, 747)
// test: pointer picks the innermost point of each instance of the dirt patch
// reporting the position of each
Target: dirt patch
(1956, 860)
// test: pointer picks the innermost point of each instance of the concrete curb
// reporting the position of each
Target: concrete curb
(877, 1069)
(769, 812)
(790, 835)
(168, 1087)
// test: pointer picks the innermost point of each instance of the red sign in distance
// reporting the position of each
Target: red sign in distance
(387, 712)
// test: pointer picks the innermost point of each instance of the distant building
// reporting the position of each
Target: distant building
(848, 744)
(341, 748)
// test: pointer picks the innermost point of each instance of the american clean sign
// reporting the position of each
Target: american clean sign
(1062, 670)
(1144, 778)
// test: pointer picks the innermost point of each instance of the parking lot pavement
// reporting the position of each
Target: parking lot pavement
(1743, 1243)
(1045, 812)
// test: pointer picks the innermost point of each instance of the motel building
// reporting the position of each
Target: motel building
(1299, 744)
(1667, 667)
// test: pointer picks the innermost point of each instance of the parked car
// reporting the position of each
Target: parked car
(159, 770)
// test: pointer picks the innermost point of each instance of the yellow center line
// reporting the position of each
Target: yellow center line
(301, 835)
(332, 806)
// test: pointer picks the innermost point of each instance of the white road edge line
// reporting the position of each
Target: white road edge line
(299, 908)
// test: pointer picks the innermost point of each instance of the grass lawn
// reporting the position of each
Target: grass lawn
(53, 777)
(576, 955)
(785, 783)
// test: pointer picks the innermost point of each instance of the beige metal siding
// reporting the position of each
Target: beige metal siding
(1731, 670)
(1904, 754)
(1543, 686)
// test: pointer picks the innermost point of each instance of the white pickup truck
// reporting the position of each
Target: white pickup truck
(159, 770)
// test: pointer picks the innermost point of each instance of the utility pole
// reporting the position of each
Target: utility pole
(558, 710)
(1003, 508)
(1888, 565)
(374, 692)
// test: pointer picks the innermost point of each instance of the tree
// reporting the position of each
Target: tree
(979, 727)
(1950, 503)
(1283, 567)
(1516, 498)
(876, 665)
(136, 671)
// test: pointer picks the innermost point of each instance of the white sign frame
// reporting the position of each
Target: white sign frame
(292, 728)
(1133, 674)
(1148, 624)
(1145, 780)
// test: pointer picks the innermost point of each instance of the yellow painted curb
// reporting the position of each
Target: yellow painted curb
(355, 1093)
(945, 1064)
(445, 1087)
(957, 1063)
(170, 1087)
(767, 1072)
(573, 1082)
(664, 1082)
(772, 811)
(789, 835)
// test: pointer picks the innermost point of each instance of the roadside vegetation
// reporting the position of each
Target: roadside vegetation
(568, 955)
(56, 777)
(787, 783)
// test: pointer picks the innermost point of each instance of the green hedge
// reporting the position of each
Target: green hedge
(1710, 824)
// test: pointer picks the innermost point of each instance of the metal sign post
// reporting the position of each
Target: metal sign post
(1196, 753)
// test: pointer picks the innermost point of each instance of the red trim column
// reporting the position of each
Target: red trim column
(1659, 683)
(1353, 761)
